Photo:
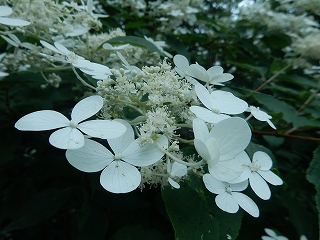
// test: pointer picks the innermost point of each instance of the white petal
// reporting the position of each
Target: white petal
(51, 47)
(86, 108)
(178, 169)
(270, 232)
(14, 38)
(91, 157)
(213, 150)
(92, 68)
(173, 183)
(142, 156)
(42, 120)
(199, 72)
(213, 185)
(262, 159)
(104, 129)
(266, 238)
(120, 177)
(208, 115)
(5, 11)
(181, 62)
(227, 103)
(247, 204)
(227, 202)
(13, 22)
(271, 124)
(217, 80)
(61, 48)
(244, 160)
(259, 186)
(67, 138)
(204, 96)
(271, 177)
(119, 144)
(237, 187)
(214, 71)
(226, 170)
(259, 114)
(9, 40)
(200, 129)
(232, 135)
(202, 149)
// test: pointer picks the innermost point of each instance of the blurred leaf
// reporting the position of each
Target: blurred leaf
(259, 69)
(277, 65)
(313, 174)
(305, 122)
(135, 41)
(277, 106)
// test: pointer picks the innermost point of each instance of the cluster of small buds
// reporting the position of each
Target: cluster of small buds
(158, 120)
(53, 80)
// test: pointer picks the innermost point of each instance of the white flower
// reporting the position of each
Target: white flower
(213, 75)
(69, 57)
(96, 70)
(14, 41)
(182, 68)
(127, 65)
(6, 11)
(108, 46)
(178, 170)
(89, 8)
(119, 173)
(229, 197)
(258, 172)
(272, 235)
(223, 147)
(159, 45)
(69, 136)
(219, 103)
(260, 115)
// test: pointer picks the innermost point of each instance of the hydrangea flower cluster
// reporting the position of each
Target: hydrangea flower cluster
(146, 113)
(301, 28)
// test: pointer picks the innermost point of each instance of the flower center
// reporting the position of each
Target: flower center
(117, 156)
(215, 110)
(229, 190)
(73, 124)
(71, 57)
(254, 167)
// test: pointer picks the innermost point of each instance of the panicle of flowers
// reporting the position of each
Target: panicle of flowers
(48, 17)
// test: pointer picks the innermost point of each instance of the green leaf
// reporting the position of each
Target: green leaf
(261, 70)
(194, 214)
(305, 122)
(277, 106)
(277, 65)
(313, 174)
(135, 41)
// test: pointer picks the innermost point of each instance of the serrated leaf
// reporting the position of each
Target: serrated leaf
(135, 41)
(313, 173)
